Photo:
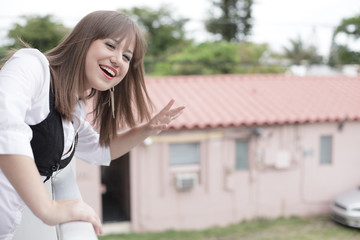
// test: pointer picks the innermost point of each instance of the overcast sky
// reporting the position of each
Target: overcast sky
(275, 21)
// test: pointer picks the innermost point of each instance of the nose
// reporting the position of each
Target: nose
(116, 59)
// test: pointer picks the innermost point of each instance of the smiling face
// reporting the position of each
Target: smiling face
(107, 62)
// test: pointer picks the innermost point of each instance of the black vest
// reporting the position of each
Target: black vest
(48, 142)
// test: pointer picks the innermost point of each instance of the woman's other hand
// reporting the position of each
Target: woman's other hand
(162, 119)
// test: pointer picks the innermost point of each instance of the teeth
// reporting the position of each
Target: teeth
(108, 70)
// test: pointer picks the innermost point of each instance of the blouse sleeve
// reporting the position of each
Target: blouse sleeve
(21, 81)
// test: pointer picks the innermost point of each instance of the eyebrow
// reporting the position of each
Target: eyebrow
(118, 42)
(129, 51)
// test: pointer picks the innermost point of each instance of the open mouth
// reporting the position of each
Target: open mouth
(109, 72)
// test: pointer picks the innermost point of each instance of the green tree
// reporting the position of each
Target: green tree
(340, 53)
(206, 58)
(347, 56)
(235, 20)
(216, 58)
(349, 26)
(299, 52)
(163, 32)
(40, 32)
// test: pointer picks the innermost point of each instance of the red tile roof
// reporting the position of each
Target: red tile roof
(247, 100)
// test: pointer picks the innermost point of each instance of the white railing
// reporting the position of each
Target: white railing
(64, 187)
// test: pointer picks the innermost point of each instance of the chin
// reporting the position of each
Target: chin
(102, 89)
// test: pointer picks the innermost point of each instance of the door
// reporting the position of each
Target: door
(116, 197)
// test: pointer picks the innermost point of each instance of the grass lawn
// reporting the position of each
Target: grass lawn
(293, 228)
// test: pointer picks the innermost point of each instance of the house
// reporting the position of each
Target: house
(247, 146)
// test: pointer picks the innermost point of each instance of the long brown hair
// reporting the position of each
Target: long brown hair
(67, 63)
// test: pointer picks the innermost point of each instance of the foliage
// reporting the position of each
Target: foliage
(206, 58)
(295, 228)
(39, 32)
(235, 21)
(299, 52)
(341, 54)
(164, 33)
(349, 26)
(171, 53)
(3, 54)
(216, 58)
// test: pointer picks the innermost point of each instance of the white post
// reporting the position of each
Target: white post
(65, 187)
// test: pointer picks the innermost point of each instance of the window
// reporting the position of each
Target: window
(184, 153)
(242, 155)
(325, 149)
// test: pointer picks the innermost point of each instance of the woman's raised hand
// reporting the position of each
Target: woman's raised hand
(123, 142)
(163, 118)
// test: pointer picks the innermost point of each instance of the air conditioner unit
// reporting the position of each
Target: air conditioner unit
(185, 181)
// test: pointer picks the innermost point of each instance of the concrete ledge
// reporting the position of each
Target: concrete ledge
(116, 228)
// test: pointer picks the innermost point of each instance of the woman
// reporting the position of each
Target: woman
(42, 114)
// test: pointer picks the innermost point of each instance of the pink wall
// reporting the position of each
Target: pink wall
(224, 195)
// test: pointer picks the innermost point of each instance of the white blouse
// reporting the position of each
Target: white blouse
(24, 101)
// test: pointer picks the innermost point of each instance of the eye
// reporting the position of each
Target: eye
(110, 45)
(128, 58)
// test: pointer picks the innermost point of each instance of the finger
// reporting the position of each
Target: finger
(160, 124)
(97, 225)
(175, 111)
(176, 115)
(166, 108)
(99, 230)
